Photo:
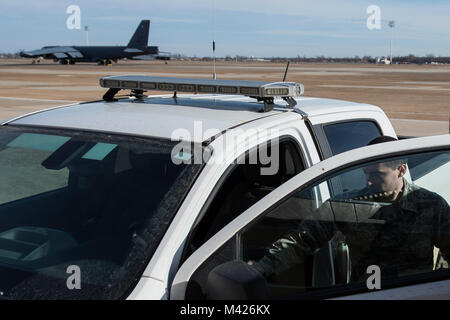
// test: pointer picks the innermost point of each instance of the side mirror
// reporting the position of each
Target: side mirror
(236, 280)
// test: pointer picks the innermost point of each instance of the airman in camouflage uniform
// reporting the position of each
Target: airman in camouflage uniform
(398, 237)
(397, 230)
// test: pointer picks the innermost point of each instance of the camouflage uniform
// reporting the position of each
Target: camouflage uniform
(398, 236)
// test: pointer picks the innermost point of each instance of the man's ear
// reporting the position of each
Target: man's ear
(401, 170)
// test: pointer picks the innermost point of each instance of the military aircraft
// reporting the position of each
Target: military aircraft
(137, 48)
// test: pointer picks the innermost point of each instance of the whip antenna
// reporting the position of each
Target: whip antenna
(285, 72)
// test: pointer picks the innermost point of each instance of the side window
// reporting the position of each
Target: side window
(303, 246)
(344, 136)
(245, 185)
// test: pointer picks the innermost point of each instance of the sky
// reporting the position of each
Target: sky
(258, 28)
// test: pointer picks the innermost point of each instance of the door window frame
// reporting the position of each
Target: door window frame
(224, 178)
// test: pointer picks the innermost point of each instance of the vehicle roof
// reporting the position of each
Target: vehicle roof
(320, 106)
(199, 117)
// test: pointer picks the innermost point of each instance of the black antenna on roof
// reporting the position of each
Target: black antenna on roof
(285, 72)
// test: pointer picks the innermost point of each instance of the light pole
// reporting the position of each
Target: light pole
(391, 25)
(86, 28)
(214, 40)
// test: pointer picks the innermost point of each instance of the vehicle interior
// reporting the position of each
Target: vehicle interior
(93, 211)
(243, 187)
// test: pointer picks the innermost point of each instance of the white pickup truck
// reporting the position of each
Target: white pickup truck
(141, 197)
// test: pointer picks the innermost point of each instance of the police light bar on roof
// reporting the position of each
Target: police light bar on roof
(257, 89)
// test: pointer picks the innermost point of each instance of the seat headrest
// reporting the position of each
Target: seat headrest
(252, 173)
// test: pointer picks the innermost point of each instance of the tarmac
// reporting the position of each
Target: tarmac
(415, 98)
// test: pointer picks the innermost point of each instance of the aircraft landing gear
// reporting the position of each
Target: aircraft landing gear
(63, 61)
(106, 62)
(71, 61)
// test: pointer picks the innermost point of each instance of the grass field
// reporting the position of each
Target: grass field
(415, 98)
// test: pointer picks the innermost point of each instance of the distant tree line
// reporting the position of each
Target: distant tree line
(9, 55)
(422, 60)
(322, 59)
(428, 59)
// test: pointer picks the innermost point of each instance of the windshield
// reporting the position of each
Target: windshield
(80, 213)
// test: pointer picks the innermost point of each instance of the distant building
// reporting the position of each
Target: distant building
(383, 60)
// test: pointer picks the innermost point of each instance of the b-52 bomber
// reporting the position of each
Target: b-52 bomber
(137, 48)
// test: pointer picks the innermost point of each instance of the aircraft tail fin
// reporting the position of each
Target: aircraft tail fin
(140, 36)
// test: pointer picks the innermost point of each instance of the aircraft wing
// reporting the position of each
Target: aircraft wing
(58, 52)
(133, 50)
(143, 57)
(160, 56)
